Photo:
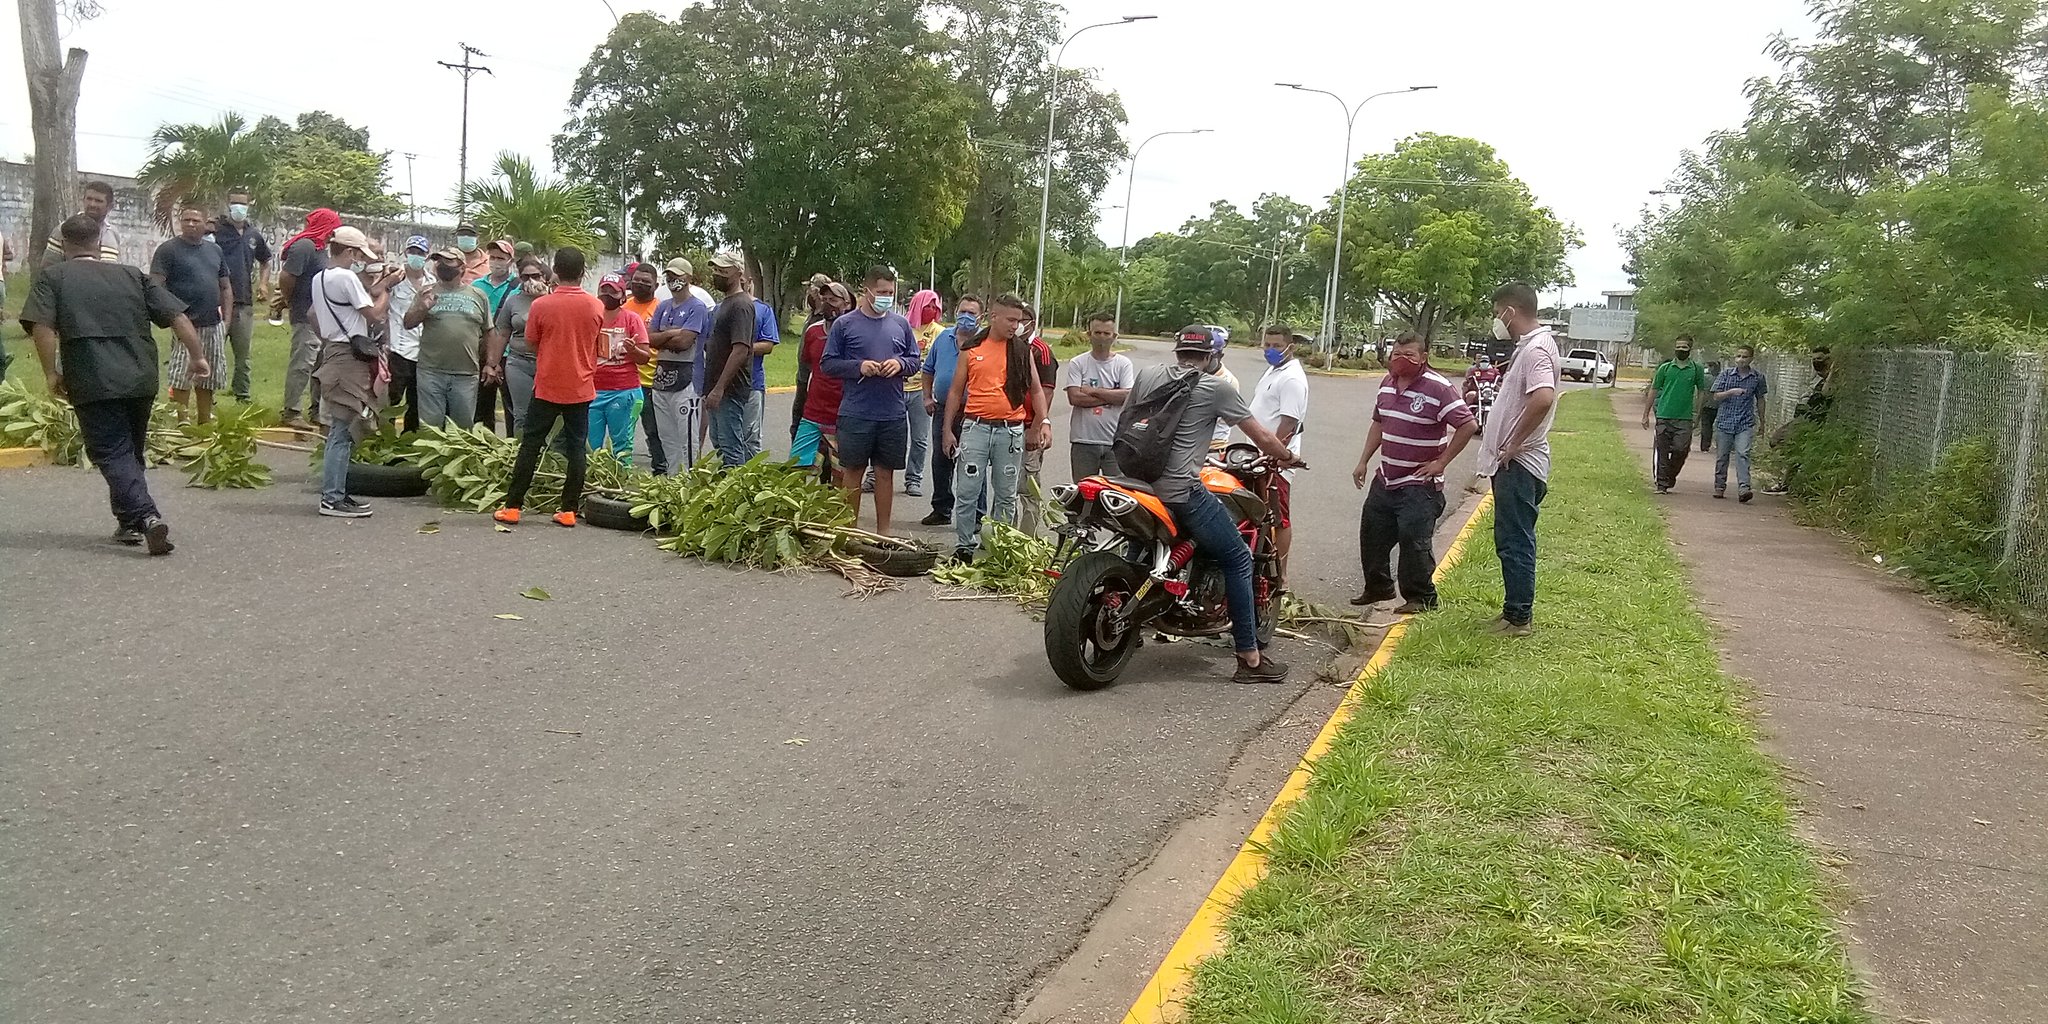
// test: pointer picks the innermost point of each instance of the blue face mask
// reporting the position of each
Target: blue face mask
(466, 243)
(884, 303)
(966, 325)
(238, 212)
(415, 262)
(1276, 356)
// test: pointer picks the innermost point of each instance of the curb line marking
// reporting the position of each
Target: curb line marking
(1160, 1000)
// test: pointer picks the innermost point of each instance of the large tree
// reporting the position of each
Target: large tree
(195, 164)
(518, 203)
(1434, 226)
(820, 134)
(53, 83)
(325, 161)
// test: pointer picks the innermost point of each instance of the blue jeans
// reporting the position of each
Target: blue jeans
(990, 456)
(757, 404)
(729, 428)
(446, 398)
(920, 437)
(611, 421)
(341, 444)
(1517, 497)
(1205, 521)
(1736, 443)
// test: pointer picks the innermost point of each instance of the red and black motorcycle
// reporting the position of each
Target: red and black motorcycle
(1123, 566)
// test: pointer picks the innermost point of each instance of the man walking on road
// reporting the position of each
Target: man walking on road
(247, 255)
(1419, 425)
(98, 315)
(1740, 390)
(192, 269)
(1675, 392)
(1517, 457)
(1098, 383)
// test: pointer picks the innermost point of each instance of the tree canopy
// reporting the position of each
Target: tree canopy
(196, 164)
(516, 202)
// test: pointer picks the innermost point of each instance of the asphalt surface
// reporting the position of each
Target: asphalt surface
(299, 771)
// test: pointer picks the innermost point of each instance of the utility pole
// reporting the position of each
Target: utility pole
(412, 199)
(468, 70)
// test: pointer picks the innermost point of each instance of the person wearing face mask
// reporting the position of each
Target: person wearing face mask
(1675, 392)
(815, 295)
(454, 319)
(1739, 392)
(404, 342)
(1031, 492)
(1709, 406)
(476, 261)
(874, 351)
(638, 296)
(304, 258)
(617, 377)
(940, 361)
(679, 321)
(352, 381)
(192, 268)
(497, 285)
(724, 379)
(1419, 425)
(1098, 384)
(1517, 456)
(247, 255)
(1280, 403)
(509, 360)
(819, 427)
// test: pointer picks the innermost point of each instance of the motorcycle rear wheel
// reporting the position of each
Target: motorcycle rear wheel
(1075, 627)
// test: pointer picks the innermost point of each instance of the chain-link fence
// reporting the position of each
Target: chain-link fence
(1911, 405)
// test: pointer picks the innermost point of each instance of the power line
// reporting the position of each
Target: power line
(468, 71)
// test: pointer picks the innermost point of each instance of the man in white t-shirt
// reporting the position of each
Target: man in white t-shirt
(351, 386)
(1098, 383)
(1517, 456)
(1280, 404)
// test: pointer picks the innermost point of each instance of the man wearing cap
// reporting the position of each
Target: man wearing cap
(351, 395)
(476, 262)
(617, 377)
(679, 322)
(453, 318)
(1675, 392)
(496, 285)
(817, 298)
(728, 357)
(641, 281)
(404, 342)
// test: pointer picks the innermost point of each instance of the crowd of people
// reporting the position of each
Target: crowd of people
(457, 333)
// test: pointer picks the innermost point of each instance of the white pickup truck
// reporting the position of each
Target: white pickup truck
(1586, 364)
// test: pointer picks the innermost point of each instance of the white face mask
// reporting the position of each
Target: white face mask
(1500, 330)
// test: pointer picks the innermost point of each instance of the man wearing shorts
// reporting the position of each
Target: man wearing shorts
(190, 266)
(874, 351)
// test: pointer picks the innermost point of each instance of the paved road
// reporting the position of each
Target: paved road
(299, 772)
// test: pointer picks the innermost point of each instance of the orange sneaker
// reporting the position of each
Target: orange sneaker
(565, 519)
(506, 515)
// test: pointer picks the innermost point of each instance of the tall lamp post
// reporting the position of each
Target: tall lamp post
(1329, 333)
(1123, 248)
(1052, 108)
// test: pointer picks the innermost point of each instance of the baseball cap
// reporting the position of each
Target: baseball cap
(727, 261)
(354, 239)
(680, 267)
(449, 253)
(1197, 338)
(465, 228)
(503, 245)
(418, 242)
(523, 249)
(616, 282)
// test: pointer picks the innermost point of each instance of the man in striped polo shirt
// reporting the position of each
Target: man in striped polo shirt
(1419, 424)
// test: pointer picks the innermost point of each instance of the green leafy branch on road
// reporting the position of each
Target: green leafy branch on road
(1012, 563)
(222, 453)
(219, 454)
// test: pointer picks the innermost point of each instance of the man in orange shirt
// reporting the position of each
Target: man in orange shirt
(994, 411)
(640, 299)
(562, 328)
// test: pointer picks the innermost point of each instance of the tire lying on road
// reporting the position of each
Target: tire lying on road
(395, 481)
(904, 559)
(612, 513)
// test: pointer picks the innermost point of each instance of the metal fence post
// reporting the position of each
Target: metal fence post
(1948, 372)
(2023, 459)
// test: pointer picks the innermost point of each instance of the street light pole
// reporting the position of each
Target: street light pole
(1330, 293)
(1052, 108)
(1123, 248)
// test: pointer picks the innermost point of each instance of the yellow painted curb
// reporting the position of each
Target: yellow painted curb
(22, 458)
(783, 389)
(1165, 993)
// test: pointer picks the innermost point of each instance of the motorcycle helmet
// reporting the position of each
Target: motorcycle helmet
(1198, 338)
(1485, 361)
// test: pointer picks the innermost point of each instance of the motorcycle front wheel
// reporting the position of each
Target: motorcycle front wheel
(1087, 640)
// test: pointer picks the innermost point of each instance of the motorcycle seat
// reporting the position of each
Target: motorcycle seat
(1132, 484)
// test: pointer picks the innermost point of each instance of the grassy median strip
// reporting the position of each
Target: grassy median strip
(1571, 827)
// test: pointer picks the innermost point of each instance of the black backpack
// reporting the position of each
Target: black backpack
(1144, 436)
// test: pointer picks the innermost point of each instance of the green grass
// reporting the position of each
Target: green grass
(1572, 827)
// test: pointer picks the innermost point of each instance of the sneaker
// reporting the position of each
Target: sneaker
(867, 486)
(1778, 489)
(1268, 670)
(506, 515)
(936, 519)
(565, 519)
(157, 534)
(1663, 488)
(1370, 597)
(127, 535)
(1719, 493)
(1502, 627)
(1414, 608)
(294, 421)
(346, 508)
(963, 556)
(1745, 496)
(915, 490)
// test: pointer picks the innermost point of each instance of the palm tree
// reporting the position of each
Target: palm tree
(519, 204)
(195, 164)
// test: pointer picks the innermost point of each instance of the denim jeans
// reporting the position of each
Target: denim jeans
(1205, 521)
(1407, 517)
(116, 433)
(990, 456)
(920, 437)
(729, 427)
(1734, 444)
(341, 444)
(1517, 497)
(611, 421)
(757, 404)
(446, 397)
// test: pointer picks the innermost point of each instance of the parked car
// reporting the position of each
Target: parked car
(1586, 364)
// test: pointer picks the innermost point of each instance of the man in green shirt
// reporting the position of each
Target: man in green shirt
(1675, 392)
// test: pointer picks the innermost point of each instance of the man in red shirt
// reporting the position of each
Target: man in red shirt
(1419, 424)
(812, 445)
(562, 327)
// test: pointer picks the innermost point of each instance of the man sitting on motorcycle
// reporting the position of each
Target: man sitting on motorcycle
(1199, 514)
(1484, 373)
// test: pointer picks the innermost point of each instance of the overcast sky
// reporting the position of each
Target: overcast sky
(1589, 101)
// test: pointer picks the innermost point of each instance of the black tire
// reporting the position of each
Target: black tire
(1073, 643)
(1269, 619)
(396, 481)
(897, 560)
(611, 513)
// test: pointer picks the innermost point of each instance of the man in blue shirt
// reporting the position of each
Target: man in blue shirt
(939, 364)
(1740, 389)
(247, 254)
(874, 351)
(767, 332)
(679, 322)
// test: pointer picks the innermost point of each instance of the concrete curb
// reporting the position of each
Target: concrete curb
(1165, 993)
(22, 458)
